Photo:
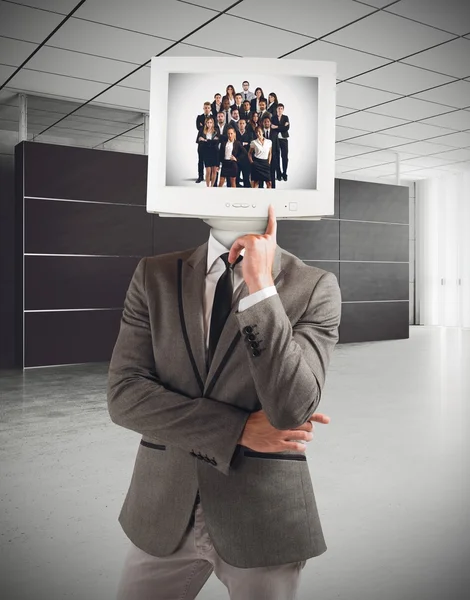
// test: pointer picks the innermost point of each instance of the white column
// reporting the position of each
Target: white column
(23, 118)
(146, 133)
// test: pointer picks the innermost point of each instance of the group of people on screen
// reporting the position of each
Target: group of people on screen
(242, 137)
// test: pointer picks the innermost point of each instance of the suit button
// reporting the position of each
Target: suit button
(199, 455)
(254, 344)
(214, 462)
(256, 352)
(248, 329)
(252, 337)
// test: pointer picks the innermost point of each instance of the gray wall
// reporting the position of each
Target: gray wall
(86, 227)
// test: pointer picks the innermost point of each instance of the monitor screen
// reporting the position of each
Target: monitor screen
(193, 97)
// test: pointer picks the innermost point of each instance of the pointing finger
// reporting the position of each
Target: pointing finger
(271, 228)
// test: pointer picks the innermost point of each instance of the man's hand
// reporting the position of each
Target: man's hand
(257, 264)
(261, 436)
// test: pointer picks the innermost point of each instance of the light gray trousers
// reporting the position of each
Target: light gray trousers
(181, 575)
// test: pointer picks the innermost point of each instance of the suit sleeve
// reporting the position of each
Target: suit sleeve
(138, 400)
(284, 128)
(289, 368)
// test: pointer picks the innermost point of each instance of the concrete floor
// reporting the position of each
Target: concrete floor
(390, 472)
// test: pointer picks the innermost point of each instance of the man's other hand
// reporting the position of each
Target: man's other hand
(261, 436)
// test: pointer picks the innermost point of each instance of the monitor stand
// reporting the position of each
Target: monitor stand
(226, 231)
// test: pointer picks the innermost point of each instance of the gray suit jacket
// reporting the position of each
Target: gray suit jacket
(259, 508)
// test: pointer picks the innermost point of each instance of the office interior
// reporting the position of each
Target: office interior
(390, 471)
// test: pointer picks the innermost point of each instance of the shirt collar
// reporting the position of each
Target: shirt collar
(214, 250)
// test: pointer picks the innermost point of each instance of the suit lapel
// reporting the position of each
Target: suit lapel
(193, 273)
(231, 335)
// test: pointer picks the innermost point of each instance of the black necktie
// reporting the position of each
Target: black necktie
(245, 95)
(222, 305)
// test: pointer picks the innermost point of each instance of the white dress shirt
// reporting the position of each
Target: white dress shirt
(261, 150)
(228, 153)
(215, 268)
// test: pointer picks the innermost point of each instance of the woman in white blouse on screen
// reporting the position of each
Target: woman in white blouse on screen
(260, 155)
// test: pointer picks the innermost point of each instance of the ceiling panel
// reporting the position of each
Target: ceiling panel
(455, 94)
(368, 121)
(349, 62)
(170, 19)
(402, 79)
(350, 149)
(55, 85)
(214, 4)
(427, 173)
(224, 34)
(375, 3)
(343, 133)
(417, 131)
(410, 108)
(309, 17)
(189, 50)
(74, 64)
(459, 140)
(139, 80)
(456, 155)
(108, 42)
(343, 110)
(355, 162)
(358, 96)
(452, 58)
(457, 167)
(426, 161)
(458, 119)
(23, 23)
(380, 140)
(126, 98)
(390, 36)
(60, 6)
(374, 171)
(451, 15)
(14, 52)
(423, 148)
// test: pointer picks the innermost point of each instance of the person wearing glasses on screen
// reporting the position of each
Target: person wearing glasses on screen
(200, 121)
(230, 94)
(246, 94)
(217, 104)
(255, 101)
(209, 142)
(260, 155)
(230, 151)
(245, 113)
(244, 136)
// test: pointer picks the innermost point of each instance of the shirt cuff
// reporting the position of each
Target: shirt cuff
(253, 299)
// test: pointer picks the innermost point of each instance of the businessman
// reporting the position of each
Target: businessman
(219, 365)
(280, 123)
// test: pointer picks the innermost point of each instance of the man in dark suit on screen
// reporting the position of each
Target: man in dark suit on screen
(281, 124)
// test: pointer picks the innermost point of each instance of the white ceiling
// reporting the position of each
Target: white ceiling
(403, 69)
